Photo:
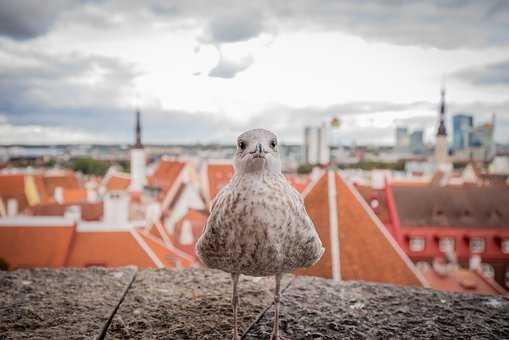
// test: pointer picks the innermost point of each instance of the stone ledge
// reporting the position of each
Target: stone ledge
(195, 304)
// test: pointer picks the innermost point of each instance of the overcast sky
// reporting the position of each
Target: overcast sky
(204, 71)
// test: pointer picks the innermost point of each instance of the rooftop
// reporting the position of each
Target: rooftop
(195, 303)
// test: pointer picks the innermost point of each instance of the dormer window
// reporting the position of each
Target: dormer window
(487, 270)
(507, 277)
(446, 244)
(374, 203)
(477, 245)
(505, 246)
(416, 243)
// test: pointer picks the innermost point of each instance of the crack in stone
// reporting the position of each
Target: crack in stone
(107, 324)
(262, 313)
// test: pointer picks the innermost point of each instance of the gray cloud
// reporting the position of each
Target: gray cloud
(232, 27)
(52, 89)
(437, 23)
(229, 68)
(26, 19)
(490, 74)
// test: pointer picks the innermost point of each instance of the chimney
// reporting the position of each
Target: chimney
(12, 207)
(58, 195)
(73, 212)
(186, 233)
(474, 262)
(116, 207)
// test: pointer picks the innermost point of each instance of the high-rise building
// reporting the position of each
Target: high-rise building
(462, 129)
(417, 142)
(481, 143)
(441, 145)
(402, 139)
(138, 161)
(316, 144)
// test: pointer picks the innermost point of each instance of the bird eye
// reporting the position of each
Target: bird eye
(242, 145)
(273, 144)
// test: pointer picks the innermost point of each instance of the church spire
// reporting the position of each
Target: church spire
(442, 131)
(138, 144)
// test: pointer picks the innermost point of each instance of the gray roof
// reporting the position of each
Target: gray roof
(462, 206)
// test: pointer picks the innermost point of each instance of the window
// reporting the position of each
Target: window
(423, 266)
(446, 244)
(505, 246)
(477, 245)
(374, 203)
(417, 243)
(487, 269)
(507, 277)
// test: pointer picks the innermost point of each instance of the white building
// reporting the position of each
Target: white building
(316, 144)
(138, 161)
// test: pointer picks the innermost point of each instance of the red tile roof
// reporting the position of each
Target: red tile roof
(74, 195)
(362, 238)
(90, 211)
(109, 249)
(197, 218)
(166, 173)
(117, 182)
(35, 246)
(66, 180)
(462, 281)
(218, 175)
(299, 182)
(375, 196)
(12, 186)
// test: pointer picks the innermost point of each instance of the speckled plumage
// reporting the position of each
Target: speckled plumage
(258, 226)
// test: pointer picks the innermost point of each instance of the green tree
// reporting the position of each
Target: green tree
(89, 166)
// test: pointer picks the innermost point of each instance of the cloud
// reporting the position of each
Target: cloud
(232, 27)
(435, 23)
(40, 134)
(42, 88)
(26, 19)
(229, 68)
(486, 75)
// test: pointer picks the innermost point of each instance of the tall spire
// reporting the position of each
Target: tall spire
(138, 144)
(442, 131)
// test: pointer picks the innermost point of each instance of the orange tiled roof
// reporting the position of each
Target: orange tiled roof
(168, 257)
(12, 186)
(197, 218)
(299, 182)
(462, 281)
(369, 195)
(109, 249)
(117, 183)
(366, 251)
(74, 195)
(218, 176)
(89, 211)
(166, 173)
(35, 246)
(66, 180)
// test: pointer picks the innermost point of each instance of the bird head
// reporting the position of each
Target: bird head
(257, 150)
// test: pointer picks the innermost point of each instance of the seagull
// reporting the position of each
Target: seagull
(258, 225)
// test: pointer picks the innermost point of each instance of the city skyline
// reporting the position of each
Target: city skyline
(204, 72)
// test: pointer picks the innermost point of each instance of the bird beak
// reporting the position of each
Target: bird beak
(259, 148)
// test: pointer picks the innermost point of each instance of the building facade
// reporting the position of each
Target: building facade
(462, 125)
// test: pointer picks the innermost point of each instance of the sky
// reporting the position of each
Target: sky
(205, 71)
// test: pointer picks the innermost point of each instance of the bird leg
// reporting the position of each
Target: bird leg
(235, 303)
(277, 297)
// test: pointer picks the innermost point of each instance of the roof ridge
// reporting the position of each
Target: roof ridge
(383, 230)
(151, 254)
